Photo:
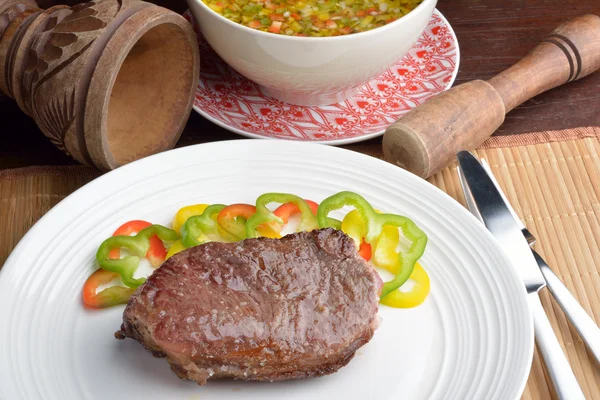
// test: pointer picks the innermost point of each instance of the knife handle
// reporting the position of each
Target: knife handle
(585, 325)
(557, 365)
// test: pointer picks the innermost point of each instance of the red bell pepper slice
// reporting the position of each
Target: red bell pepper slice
(108, 297)
(156, 253)
(285, 211)
(233, 219)
(365, 250)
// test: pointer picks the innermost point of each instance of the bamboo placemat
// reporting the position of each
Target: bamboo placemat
(551, 178)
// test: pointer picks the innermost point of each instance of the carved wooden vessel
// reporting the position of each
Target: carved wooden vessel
(108, 82)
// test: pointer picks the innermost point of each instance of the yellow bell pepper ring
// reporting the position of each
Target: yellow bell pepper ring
(384, 253)
(175, 248)
(354, 226)
(413, 297)
(186, 212)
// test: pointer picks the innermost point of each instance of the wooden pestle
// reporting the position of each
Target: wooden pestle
(108, 82)
(427, 138)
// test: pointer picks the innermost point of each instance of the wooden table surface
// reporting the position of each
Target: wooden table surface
(492, 35)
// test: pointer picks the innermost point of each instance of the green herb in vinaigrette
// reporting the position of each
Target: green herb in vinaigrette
(312, 17)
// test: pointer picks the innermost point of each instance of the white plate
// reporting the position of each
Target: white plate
(472, 338)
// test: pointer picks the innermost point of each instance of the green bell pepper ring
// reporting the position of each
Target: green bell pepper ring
(263, 215)
(204, 228)
(137, 245)
(375, 223)
(232, 219)
(331, 223)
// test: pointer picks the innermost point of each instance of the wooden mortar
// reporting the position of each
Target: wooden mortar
(427, 138)
(108, 82)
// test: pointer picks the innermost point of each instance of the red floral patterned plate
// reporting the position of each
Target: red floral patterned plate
(237, 104)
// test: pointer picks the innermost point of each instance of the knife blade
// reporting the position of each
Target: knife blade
(487, 204)
(528, 236)
(499, 221)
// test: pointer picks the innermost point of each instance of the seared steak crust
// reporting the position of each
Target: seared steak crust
(260, 309)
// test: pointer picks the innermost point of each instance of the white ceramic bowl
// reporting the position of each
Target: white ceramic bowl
(310, 70)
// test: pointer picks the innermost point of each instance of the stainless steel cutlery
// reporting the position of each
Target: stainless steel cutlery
(486, 202)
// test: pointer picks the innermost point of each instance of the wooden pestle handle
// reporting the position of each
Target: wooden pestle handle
(427, 138)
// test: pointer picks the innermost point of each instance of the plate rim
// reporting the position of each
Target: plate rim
(336, 142)
(122, 172)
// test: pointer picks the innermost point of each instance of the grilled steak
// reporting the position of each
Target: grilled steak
(260, 309)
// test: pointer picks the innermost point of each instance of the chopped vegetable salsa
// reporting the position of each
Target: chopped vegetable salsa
(316, 18)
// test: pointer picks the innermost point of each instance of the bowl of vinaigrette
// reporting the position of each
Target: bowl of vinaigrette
(311, 52)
